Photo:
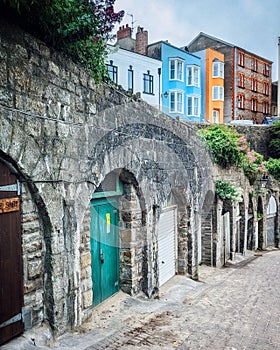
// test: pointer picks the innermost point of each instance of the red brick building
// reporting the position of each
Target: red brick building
(248, 85)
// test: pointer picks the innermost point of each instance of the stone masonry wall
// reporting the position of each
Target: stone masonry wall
(64, 134)
(33, 258)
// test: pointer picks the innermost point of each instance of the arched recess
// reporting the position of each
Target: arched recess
(271, 221)
(206, 248)
(26, 229)
(113, 243)
(174, 237)
(260, 223)
(241, 227)
(251, 239)
(11, 262)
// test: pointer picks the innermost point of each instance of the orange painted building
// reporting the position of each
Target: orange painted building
(212, 85)
(214, 91)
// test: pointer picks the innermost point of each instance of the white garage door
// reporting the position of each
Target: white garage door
(167, 244)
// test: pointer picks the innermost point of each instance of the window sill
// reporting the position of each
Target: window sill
(148, 93)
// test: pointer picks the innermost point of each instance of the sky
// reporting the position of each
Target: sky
(253, 25)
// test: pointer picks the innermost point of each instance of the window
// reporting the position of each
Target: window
(241, 59)
(130, 79)
(193, 106)
(218, 93)
(148, 83)
(266, 70)
(176, 69)
(241, 101)
(254, 85)
(113, 72)
(241, 81)
(193, 73)
(215, 116)
(265, 107)
(217, 69)
(254, 105)
(176, 102)
(266, 88)
(254, 65)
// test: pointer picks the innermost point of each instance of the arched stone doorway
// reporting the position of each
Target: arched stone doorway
(251, 241)
(260, 223)
(271, 216)
(117, 237)
(11, 266)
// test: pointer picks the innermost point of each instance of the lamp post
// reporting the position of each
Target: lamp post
(263, 181)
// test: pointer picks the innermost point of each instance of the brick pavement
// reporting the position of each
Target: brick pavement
(233, 308)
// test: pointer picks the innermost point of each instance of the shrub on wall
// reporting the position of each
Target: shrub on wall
(80, 29)
(222, 143)
(273, 167)
(274, 145)
(226, 190)
(230, 148)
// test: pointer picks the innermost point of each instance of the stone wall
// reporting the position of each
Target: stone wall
(64, 134)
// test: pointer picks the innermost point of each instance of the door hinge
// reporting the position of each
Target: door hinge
(12, 188)
(12, 320)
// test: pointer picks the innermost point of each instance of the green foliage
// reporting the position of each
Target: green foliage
(80, 29)
(230, 148)
(222, 142)
(273, 167)
(274, 145)
(226, 190)
(253, 165)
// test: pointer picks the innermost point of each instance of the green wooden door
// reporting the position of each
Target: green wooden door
(104, 237)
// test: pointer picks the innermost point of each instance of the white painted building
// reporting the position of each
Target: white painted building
(136, 73)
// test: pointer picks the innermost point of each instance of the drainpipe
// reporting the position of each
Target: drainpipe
(159, 88)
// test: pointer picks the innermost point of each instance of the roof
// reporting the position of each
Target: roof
(174, 47)
(227, 44)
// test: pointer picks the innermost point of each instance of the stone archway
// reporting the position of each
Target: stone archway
(251, 239)
(261, 240)
(271, 216)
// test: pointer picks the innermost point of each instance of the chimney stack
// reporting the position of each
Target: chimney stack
(124, 32)
(141, 45)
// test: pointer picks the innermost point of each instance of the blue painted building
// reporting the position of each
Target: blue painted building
(181, 81)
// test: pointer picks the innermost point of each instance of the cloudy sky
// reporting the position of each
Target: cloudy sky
(253, 25)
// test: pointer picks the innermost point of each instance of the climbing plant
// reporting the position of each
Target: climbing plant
(80, 29)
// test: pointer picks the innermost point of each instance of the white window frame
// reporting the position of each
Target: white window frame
(254, 84)
(241, 101)
(254, 105)
(193, 75)
(177, 71)
(217, 69)
(193, 107)
(177, 101)
(265, 107)
(217, 93)
(215, 116)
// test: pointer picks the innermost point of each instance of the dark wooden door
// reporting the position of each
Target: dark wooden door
(11, 272)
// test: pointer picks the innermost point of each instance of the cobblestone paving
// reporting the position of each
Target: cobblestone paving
(238, 309)
(234, 308)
